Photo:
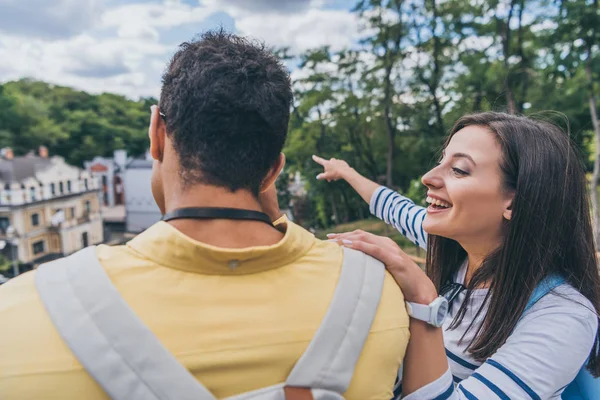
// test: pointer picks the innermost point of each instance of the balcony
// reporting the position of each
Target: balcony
(86, 217)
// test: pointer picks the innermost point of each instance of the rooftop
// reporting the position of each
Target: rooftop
(139, 164)
(20, 168)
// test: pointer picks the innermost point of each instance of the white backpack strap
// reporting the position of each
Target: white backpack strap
(106, 336)
(331, 357)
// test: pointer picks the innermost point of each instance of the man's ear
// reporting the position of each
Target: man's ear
(157, 133)
(273, 173)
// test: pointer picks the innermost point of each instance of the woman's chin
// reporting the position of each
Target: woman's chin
(436, 229)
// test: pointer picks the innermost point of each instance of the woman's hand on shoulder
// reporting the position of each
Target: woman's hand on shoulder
(413, 281)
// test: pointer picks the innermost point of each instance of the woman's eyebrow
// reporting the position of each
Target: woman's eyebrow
(464, 155)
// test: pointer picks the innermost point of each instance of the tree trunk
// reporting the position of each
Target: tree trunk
(478, 100)
(390, 128)
(596, 123)
(438, 113)
(390, 159)
(389, 124)
(347, 208)
(436, 70)
(506, 37)
(334, 208)
(364, 147)
(390, 57)
(524, 62)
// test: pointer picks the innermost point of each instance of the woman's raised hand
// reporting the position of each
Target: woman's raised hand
(415, 284)
(334, 169)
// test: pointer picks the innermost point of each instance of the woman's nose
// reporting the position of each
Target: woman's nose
(433, 179)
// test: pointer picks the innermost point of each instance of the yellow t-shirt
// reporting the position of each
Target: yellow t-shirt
(237, 326)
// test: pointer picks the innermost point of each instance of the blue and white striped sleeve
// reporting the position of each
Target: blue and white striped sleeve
(400, 212)
(541, 357)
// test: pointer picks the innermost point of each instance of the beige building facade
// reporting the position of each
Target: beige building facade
(48, 208)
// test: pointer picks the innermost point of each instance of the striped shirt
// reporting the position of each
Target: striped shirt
(541, 357)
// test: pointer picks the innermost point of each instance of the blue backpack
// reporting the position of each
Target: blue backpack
(585, 386)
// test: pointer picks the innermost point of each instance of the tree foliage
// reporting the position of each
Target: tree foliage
(384, 104)
(71, 123)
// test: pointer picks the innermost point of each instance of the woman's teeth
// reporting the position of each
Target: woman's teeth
(437, 202)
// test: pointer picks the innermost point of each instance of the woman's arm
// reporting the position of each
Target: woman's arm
(542, 356)
(384, 203)
(400, 212)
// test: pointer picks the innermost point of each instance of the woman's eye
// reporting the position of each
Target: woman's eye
(459, 171)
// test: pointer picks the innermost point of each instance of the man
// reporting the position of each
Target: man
(235, 301)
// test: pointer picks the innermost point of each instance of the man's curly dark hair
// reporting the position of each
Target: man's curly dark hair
(226, 101)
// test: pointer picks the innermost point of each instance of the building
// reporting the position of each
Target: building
(296, 187)
(109, 172)
(48, 208)
(141, 210)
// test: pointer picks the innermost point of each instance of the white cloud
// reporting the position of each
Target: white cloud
(278, 6)
(84, 62)
(310, 28)
(97, 46)
(48, 20)
(143, 20)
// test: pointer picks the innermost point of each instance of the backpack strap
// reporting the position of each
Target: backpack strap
(331, 356)
(545, 286)
(108, 339)
(585, 386)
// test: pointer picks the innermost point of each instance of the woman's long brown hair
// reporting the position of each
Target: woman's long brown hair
(550, 231)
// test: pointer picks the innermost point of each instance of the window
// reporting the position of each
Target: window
(84, 239)
(69, 186)
(72, 211)
(4, 223)
(35, 219)
(32, 192)
(105, 189)
(53, 189)
(85, 182)
(38, 247)
(88, 207)
(61, 187)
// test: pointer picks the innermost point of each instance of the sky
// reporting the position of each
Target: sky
(123, 46)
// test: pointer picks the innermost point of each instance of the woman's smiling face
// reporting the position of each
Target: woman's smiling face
(468, 201)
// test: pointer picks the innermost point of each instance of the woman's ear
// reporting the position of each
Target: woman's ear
(507, 214)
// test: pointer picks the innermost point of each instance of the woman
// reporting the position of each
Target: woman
(508, 208)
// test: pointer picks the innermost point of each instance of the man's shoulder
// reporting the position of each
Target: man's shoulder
(28, 340)
(19, 291)
(391, 312)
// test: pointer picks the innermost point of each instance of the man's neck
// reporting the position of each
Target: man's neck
(221, 232)
(211, 196)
